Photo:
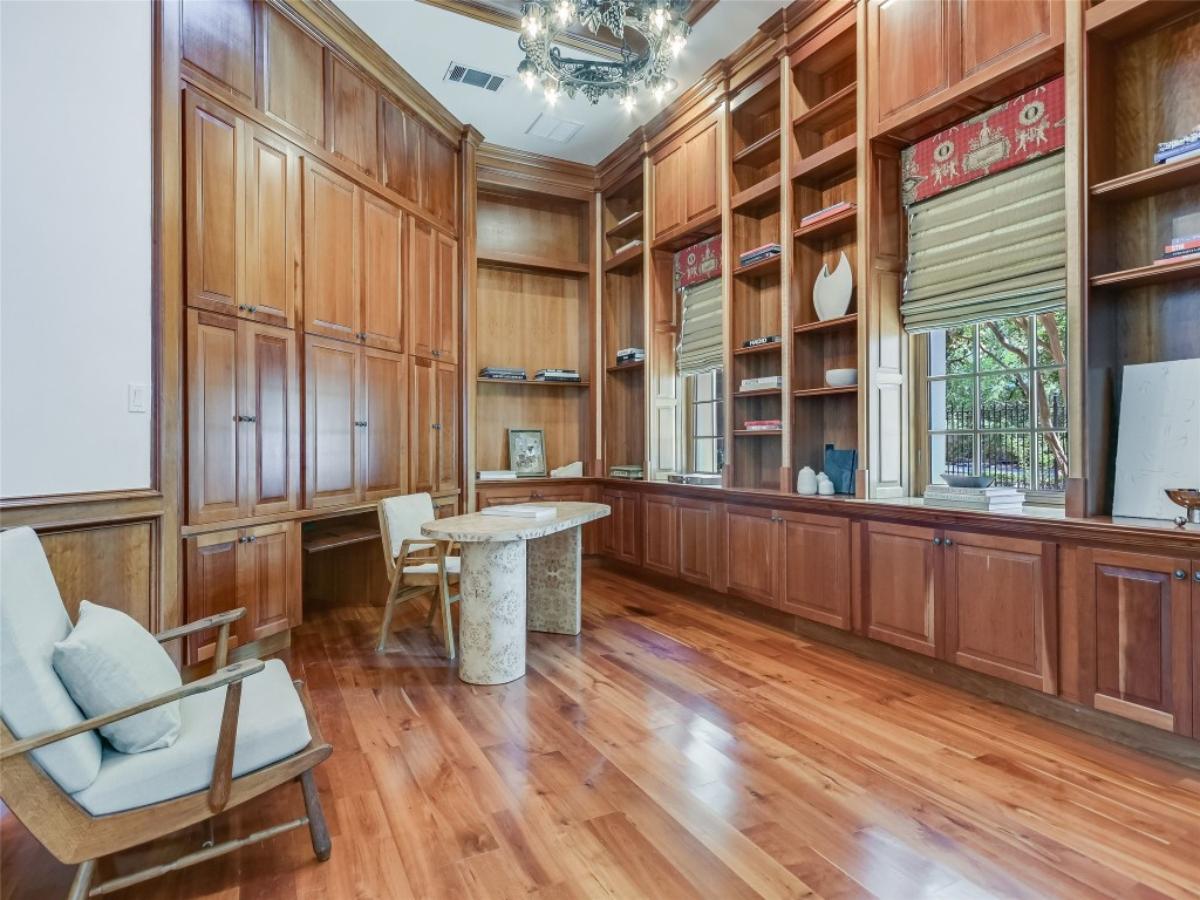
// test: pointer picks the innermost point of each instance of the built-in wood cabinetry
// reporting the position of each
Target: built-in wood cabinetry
(902, 603)
(352, 116)
(434, 426)
(815, 579)
(332, 300)
(432, 293)
(686, 181)
(752, 553)
(622, 528)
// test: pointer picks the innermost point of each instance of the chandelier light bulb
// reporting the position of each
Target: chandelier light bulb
(563, 13)
(658, 19)
(551, 92)
(628, 102)
(532, 20)
(527, 72)
(677, 43)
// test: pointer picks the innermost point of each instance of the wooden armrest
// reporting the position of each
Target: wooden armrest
(229, 675)
(441, 546)
(200, 624)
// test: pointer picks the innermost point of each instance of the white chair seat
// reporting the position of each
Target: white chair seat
(452, 567)
(271, 725)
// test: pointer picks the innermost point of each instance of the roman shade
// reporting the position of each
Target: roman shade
(990, 249)
(701, 336)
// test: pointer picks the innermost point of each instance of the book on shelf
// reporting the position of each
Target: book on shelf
(1190, 242)
(630, 354)
(769, 251)
(520, 511)
(502, 373)
(979, 505)
(557, 375)
(827, 212)
(628, 245)
(632, 473)
(496, 474)
(761, 383)
(1180, 157)
(952, 491)
(1176, 147)
(760, 341)
(1176, 255)
(989, 498)
(763, 425)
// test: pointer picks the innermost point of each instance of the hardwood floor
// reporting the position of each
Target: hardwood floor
(676, 751)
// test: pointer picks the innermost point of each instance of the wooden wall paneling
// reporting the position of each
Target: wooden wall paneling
(468, 274)
(383, 275)
(816, 568)
(422, 445)
(660, 535)
(670, 190)
(439, 192)
(990, 32)
(113, 564)
(212, 587)
(533, 224)
(268, 575)
(215, 216)
(400, 142)
(752, 550)
(421, 259)
(272, 227)
(217, 40)
(445, 298)
(382, 423)
(332, 381)
(1001, 607)
(293, 74)
(902, 602)
(702, 173)
(445, 460)
(701, 527)
(215, 458)
(531, 320)
(352, 115)
(269, 394)
(332, 303)
(899, 78)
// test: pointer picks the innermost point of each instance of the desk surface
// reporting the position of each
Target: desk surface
(476, 528)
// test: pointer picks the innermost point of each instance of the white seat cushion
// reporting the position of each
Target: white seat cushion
(32, 698)
(452, 567)
(271, 726)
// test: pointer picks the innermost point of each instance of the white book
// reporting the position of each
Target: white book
(497, 474)
(945, 490)
(976, 504)
(520, 511)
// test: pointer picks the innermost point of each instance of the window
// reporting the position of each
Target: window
(997, 402)
(704, 421)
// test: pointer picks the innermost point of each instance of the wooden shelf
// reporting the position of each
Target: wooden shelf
(761, 348)
(630, 257)
(1149, 181)
(688, 233)
(1185, 267)
(532, 382)
(640, 364)
(847, 321)
(761, 151)
(761, 267)
(333, 536)
(832, 160)
(757, 432)
(839, 223)
(629, 226)
(825, 391)
(761, 194)
(829, 111)
(760, 392)
(528, 261)
(1114, 19)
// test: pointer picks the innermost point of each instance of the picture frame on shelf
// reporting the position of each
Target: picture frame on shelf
(527, 452)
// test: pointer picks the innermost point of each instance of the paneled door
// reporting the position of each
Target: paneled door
(445, 467)
(700, 541)
(382, 274)
(272, 255)
(660, 537)
(816, 568)
(992, 32)
(445, 299)
(352, 116)
(331, 386)
(422, 273)
(213, 148)
(670, 191)
(211, 587)
(331, 261)
(752, 553)
(423, 416)
(703, 174)
(382, 423)
(269, 423)
(268, 572)
(901, 597)
(901, 78)
(214, 460)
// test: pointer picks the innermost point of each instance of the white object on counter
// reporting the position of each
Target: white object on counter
(806, 481)
(570, 470)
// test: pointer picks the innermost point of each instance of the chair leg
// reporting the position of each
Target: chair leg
(386, 628)
(83, 880)
(317, 829)
(447, 619)
(433, 609)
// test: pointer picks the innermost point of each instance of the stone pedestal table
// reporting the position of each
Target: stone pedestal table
(518, 573)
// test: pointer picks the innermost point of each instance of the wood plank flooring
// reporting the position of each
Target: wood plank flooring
(675, 751)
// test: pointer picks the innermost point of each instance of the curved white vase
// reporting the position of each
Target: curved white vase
(831, 290)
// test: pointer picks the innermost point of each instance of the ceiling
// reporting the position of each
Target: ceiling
(424, 36)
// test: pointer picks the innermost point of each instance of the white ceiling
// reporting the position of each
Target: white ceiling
(424, 39)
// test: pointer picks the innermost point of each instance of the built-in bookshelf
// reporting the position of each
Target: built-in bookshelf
(532, 311)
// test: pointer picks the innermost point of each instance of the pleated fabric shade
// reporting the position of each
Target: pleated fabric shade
(994, 248)
(701, 336)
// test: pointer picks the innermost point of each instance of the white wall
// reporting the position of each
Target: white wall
(75, 231)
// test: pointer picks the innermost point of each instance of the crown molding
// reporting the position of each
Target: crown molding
(521, 170)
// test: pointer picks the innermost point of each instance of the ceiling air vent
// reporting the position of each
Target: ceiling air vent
(474, 77)
(552, 128)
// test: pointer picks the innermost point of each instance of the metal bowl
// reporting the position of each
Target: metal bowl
(1189, 499)
(971, 481)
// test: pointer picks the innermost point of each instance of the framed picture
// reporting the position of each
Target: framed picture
(527, 451)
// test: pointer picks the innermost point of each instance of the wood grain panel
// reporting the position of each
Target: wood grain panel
(439, 176)
(816, 568)
(702, 174)
(532, 320)
(382, 274)
(331, 261)
(900, 77)
(700, 526)
(331, 387)
(383, 439)
(991, 31)
(660, 535)
(421, 259)
(445, 461)
(752, 553)
(293, 75)
(269, 578)
(902, 603)
(401, 141)
(670, 191)
(270, 393)
(217, 38)
(623, 529)
(214, 219)
(272, 247)
(422, 444)
(352, 116)
(214, 455)
(446, 299)
(211, 586)
(110, 564)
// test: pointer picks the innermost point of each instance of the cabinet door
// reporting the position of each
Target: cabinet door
(331, 385)
(902, 603)
(382, 274)
(1143, 650)
(1001, 608)
(816, 568)
(445, 299)
(268, 573)
(702, 174)
(422, 267)
(752, 553)
(331, 303)
(670, 179)
(439, 170)
(214, 461)
(401, 142)
(699, 541)
(622, 534)
(381, 423)
(445, 463)
(660, 537)
(422, 444)
(352, 117)
(293, 76)
(218, 40)
(213, 142)
(993, 32)
(272, 227)
(270, 400)
(903, 79)
(212, 587)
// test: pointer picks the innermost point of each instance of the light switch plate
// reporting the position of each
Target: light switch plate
(139, 397)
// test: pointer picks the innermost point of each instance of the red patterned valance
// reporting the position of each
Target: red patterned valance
(699, 262)
(1020, 129)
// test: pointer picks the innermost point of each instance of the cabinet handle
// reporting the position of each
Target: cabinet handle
(247, 539)
(937, 542)
(948, 542)
(437, 354)
(436, 427)
(1180, 574)
(1196, 576)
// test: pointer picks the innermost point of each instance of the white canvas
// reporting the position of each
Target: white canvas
(1158, 438)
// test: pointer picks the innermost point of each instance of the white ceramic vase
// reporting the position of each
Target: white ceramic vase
(831, 290)
(806, 481)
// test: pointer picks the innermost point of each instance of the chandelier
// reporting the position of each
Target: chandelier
(660, 33)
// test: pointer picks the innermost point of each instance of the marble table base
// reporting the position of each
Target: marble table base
(553, 583)
(492, 612)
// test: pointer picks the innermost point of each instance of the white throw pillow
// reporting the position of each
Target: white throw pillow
(108, 662)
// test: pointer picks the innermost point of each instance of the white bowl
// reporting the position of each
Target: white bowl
(841, 377)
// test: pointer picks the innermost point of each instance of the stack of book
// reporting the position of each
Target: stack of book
(503, 373)
(827, 212)
(1180, 246)
(632, 473)
(571, 375)
(764, 425)
(993, 499)
(766, 251)
(1179, 149)
(762, 383)
(759, 341)
(629, 355)
(627, 246)
(520, 511)
(496, 474)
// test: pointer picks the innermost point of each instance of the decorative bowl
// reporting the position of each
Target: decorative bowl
(1189, 499)
(969, 481)
(841, 377)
